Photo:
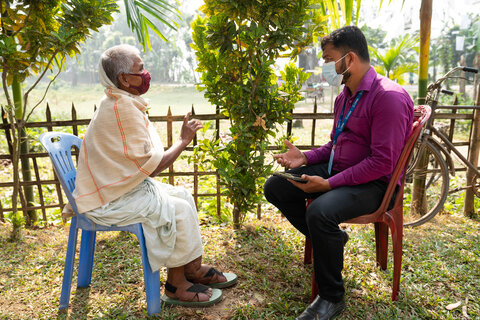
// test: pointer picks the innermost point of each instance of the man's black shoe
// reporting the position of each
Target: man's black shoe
(321, 309)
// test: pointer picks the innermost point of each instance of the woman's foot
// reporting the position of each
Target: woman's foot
(197, 272)
(206, 275)
(214, 278)
(187, 291)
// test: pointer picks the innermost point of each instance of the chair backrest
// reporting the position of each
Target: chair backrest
(59, 147)
(422, 113)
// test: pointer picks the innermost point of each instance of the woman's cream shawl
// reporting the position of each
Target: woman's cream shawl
(120, 149)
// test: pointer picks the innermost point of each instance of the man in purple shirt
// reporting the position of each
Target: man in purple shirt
(349, 175)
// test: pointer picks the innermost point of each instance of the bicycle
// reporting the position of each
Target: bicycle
(428, 173)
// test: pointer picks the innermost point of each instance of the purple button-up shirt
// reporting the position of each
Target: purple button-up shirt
(373, 138)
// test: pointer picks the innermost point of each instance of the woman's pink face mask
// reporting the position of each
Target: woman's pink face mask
(145, 75)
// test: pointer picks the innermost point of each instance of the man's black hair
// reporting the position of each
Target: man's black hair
(348, 38)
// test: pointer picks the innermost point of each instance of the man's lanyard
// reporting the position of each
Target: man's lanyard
(340, 126)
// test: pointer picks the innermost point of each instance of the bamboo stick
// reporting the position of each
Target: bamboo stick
(469, 207)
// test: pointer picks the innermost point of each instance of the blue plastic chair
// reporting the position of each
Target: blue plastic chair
(59, 147)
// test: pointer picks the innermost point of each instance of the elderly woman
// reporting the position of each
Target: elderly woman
(120, 154)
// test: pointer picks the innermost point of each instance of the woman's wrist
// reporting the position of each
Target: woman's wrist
(184, 142)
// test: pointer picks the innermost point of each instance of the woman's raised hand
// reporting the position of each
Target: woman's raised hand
(189, 128)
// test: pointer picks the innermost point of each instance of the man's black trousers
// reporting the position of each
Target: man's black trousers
(320, 221)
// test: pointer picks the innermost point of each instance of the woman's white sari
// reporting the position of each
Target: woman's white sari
(168, 217)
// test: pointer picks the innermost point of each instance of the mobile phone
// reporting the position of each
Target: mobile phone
(291, 176)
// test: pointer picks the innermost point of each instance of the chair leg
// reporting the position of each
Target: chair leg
(69, 261)
(85, 262)
(307, 257)
(397, 240)
(152, 279)
(381, 243)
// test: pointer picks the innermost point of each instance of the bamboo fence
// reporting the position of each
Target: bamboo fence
(51, 124)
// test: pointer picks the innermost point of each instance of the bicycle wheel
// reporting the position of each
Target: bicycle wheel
(431, 184)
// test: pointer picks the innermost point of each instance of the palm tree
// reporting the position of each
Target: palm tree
(394, 62)
(140, 14)
(340, 12)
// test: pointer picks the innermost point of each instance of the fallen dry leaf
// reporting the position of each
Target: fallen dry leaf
(464, 309)
(357, 292)
(452, 306)
(259, 297)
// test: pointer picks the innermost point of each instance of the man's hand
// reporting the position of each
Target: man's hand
(293, 158)
(189, 128)
(314, 184)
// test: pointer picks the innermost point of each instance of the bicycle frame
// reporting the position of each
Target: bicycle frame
(454, 149)
(432, 164)
(433, 94)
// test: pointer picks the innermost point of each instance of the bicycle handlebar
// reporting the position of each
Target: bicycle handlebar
(469, 69)
(437, 85)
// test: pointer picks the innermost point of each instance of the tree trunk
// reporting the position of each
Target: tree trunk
(418, 192)
(15, 217)
(469, 207)
(476, 64)
(236, 216)
(14, 151)
(26, 173)
(425, 26)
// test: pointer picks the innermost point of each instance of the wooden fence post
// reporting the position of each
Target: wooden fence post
(7, 132)
(474, 148)
(40, 191)
(289, 127)
(48, 116)
(74, 118)
(452, 124)
(314, 121)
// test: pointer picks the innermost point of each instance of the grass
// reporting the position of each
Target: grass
(441, 266)
(441, 259)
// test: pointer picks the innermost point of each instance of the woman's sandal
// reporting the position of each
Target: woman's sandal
(197, 288)
(231, 279)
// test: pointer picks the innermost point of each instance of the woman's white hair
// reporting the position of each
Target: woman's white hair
(118, 59)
